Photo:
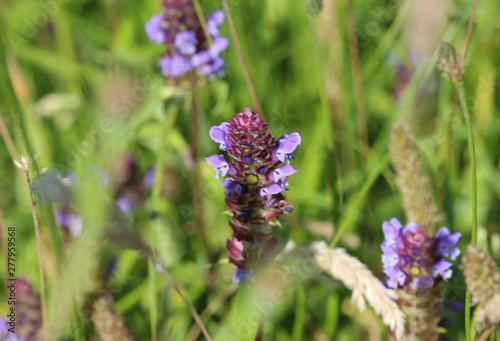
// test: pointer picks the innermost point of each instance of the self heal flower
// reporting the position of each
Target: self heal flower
(220, 165)
(282, 174)
(69, 221)
(243, 276)
(124, 204)
(155, 30)
(232, 186)
(415, 264)
(175, 66)
(214, 21)
(218, 46)
(445, 243)
(186, 42)
(219, 135)
(254, 187)
(285, 145)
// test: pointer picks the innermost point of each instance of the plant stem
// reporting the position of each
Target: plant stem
(359, 198)
(40, 263)
(472, 156)
(243, 64)
(203, 22)
(357, 84)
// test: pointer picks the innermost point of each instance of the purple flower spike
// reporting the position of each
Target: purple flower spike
(220, 165)
(243, 276)
(445, 243)
(155, 31)
(219, 135)
(186, 42)
(175, 66)
(286, 144)
(440, 267)
(282, 174)
(214, 20)
(232, 186)
(218, 46)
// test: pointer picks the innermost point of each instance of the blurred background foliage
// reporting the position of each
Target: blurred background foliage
(89, 90)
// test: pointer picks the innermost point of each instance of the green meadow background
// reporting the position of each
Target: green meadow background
(80, 85)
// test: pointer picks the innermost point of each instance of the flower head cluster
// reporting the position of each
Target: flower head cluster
(255, 182)
(414, 261)
(189, 51)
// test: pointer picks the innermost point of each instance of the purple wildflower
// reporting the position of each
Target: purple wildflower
(175, 66)
(214, 21)
(254, 188)
(189, 55)
(418, 256)
(149, 178)
(445, 243)
(125, 204)
(219, 135)
(155, 31)
(186, 42)
(5, 334)
(285, 145)
(67, 219)
(243, 276)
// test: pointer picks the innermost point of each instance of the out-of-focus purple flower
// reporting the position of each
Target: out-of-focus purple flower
(214, 21)
(243, 276)
(71, 222)
(200, 59)
(125, 204)
(186, 42)
(219, 135)
(5, 334)
(218, 46)
(446, 242)
(282, 174)
(221, 166)
(232, 186)
(155, 30)
(285, 146)
(149, 178)
(175, 66)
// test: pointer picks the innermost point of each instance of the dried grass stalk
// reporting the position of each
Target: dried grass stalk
(412, 182)
(366, 288)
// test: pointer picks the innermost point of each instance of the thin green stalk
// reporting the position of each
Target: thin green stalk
(472, 156)
(300, 312)
(243, 64)
(359, 198)
(203, 22)
(40, 263)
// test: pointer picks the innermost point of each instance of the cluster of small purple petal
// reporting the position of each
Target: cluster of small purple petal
(414, 261)
(189, 52)
(255, 182)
